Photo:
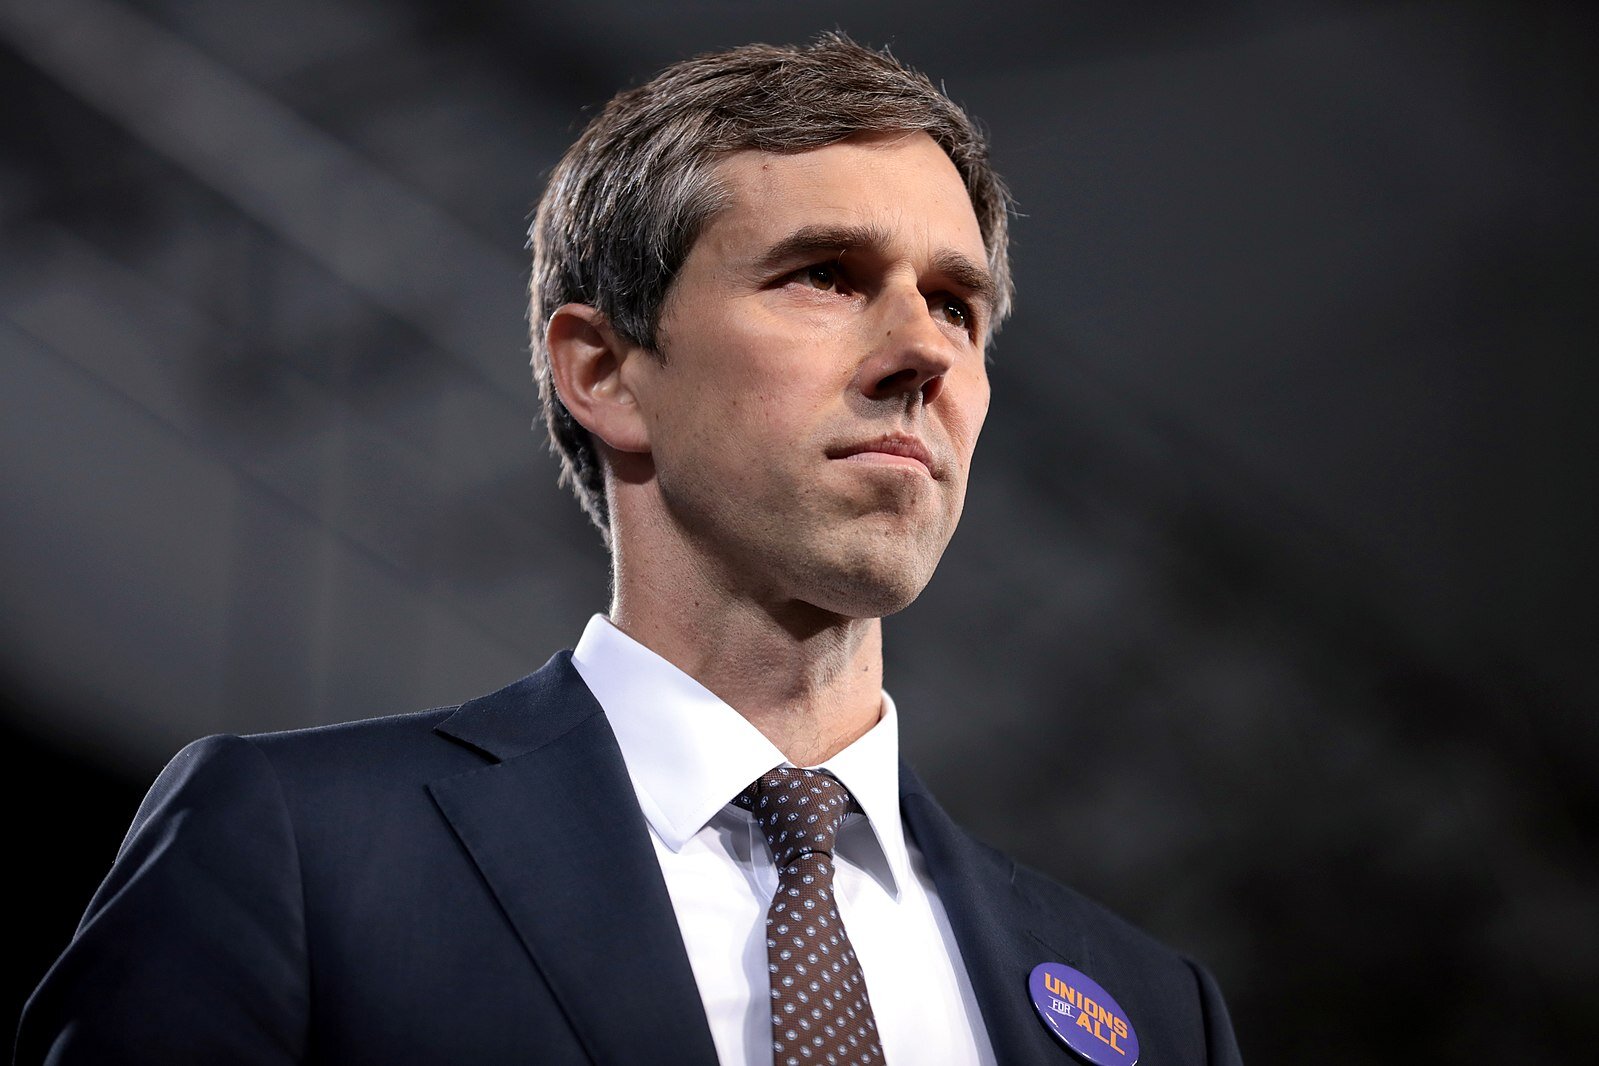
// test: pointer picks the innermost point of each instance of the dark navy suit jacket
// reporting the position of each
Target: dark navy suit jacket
(477, 885)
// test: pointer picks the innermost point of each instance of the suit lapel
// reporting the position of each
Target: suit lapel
(553, 825)
(994, 926)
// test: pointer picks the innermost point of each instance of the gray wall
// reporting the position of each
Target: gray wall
(1271, 621)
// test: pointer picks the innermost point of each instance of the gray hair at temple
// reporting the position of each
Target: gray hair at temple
(627, 201)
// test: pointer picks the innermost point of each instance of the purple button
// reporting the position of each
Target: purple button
(1083, 1015)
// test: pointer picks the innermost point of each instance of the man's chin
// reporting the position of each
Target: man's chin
(868, 585)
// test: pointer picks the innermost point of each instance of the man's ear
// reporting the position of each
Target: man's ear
(586, 359)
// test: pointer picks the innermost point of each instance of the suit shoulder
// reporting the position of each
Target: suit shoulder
(1054, 898)
(224, 768)
(379, 752)
(352, 736)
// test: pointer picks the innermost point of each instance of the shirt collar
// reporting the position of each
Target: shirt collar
(688, 753)
(869, 768)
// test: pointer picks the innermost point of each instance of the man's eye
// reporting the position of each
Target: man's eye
(823, 276)
(954, 311)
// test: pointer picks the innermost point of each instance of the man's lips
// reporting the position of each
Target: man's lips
(891, 449)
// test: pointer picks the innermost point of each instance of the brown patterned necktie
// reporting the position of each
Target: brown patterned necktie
(820, 1011)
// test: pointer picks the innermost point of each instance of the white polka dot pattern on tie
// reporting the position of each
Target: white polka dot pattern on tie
(820, 1010)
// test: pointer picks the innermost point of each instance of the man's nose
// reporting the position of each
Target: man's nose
(910, 353)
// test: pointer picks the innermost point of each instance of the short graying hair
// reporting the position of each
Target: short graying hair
(627, 201)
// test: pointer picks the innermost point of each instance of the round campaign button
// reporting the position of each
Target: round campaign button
(1083, 1015)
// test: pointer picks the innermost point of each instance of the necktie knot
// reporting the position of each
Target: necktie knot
(799, 811)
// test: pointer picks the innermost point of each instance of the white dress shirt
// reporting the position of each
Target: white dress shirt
(688, 754)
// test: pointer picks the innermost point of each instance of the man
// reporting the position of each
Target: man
(762, 288)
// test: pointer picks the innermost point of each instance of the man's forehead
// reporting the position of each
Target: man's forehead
(899, 186)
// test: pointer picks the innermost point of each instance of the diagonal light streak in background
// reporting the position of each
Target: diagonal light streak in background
(366, 228)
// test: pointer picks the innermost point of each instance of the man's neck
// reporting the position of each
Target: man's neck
(810, 682)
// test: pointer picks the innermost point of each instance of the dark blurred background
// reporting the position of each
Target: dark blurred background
(1271, 622)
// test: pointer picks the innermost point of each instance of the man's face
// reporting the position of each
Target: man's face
(822, 383)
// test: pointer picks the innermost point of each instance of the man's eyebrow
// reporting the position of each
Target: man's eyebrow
(808, 241)
(823, 240)
(969, 275)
